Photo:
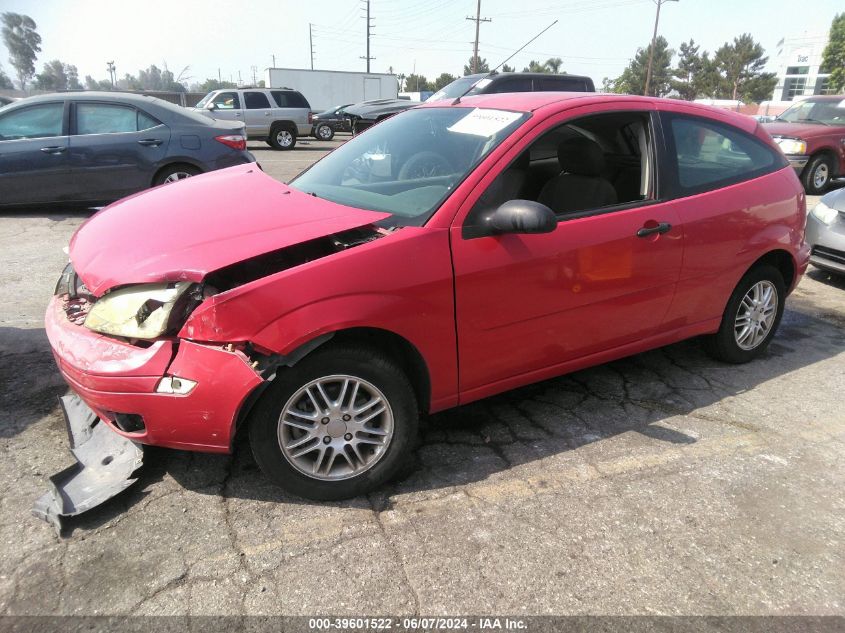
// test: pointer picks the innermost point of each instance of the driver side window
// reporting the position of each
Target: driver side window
(578, 168)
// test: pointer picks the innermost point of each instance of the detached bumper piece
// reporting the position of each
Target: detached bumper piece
(104, 468)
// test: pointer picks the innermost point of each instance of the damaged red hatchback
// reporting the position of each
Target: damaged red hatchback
(447, 254)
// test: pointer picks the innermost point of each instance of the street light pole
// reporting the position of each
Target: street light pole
(653, 44)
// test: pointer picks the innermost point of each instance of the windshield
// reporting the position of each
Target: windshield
(818, 112)
(454, 89)
(408, 164)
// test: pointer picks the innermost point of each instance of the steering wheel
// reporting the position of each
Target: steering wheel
(425, 164)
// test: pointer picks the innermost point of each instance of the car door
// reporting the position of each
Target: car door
(34, 164)
(114, 149)
(603, 279)
(258, 114)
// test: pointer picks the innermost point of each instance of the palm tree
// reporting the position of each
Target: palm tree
(554, 64)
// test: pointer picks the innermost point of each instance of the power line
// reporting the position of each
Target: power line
(478, 20)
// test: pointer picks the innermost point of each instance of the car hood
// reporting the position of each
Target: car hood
(185, 230)
(797, 130)
(373, 109)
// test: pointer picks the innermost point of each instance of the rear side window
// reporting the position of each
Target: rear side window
(708, 154)
(256, 100)
(145, 121)
(100, 118)
(289, 99)
(38, 121)
(560, 84)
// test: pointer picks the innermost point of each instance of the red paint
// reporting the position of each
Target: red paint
(512, 309)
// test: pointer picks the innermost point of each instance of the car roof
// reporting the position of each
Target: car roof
(531, 101)
(823, 98)
(100, 95)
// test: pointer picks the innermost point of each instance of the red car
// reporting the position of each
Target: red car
(812, 135)
(452, 252)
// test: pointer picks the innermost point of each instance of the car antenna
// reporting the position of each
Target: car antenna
(493, 72)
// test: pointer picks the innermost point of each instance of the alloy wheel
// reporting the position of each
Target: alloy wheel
(335, 427)
(177, 175)
(756, 315)
(324, 132)
(284, 138)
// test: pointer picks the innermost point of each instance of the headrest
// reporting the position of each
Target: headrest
(581, 156)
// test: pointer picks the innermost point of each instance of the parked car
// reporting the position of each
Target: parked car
(325, 124)
(826, 232)
(275, 116)
(362, 116)
(4, 100)
(811, 134)
(96, 147)
(530, 235)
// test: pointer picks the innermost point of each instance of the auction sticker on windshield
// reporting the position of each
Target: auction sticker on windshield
(484, 123)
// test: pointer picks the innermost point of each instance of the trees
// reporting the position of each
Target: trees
(23, 42)
(416, 83)
(741, 66)
(535, 67)
(482, 66)
(212, 84)
(688, 71)
(5, 82)
(632, 79)
(508, 69)
(58, 76)
(833, 58)
(443, 80)
(93, 84)
(553, 64)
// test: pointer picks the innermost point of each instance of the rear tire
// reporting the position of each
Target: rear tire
(751, 317)
(174, 173)
(333, 456)
(282, 138)
(817, 175)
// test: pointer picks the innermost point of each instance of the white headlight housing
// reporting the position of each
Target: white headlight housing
(792, 146)
(141, 312)
(824, 213)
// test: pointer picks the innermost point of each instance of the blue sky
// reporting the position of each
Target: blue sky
(594, 37)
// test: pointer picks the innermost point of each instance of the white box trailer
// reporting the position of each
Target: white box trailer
(327, 88)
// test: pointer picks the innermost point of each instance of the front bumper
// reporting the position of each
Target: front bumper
(827, 242)
(797, 162)
(114, 377)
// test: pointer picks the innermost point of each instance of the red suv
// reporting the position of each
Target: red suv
(450, 253)
(812, 135)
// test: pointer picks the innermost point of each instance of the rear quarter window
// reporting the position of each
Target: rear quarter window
(705, 154)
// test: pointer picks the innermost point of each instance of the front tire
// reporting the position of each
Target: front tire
(817, 174)
(324, 132)
(282, 138)
(338, 424)
(751, 317)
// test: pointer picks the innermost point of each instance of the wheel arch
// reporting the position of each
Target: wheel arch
(389, 343)
(783, 261)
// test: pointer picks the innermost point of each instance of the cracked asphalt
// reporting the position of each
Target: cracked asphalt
(664, 483)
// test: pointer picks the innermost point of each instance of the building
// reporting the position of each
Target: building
(800, 72)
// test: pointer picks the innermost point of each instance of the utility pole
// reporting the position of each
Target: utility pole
(274, 61)
(653, 44)
(219, 76)
(369, 21)
(311, 45)
(478, 20)
(112, 72)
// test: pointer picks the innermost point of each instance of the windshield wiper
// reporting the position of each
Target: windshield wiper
(816, 121)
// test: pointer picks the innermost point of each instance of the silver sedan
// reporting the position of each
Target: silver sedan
(826, 232)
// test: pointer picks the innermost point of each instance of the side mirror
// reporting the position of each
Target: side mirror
(211, 106)
(523, 216)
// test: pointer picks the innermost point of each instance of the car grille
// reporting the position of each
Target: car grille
(829, 253)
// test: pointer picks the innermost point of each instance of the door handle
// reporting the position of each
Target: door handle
(238, 115)
(267, 114)
(55, 149)
(663, 227)
(150, 142)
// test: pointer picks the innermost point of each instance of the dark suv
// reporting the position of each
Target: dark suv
(363, 115)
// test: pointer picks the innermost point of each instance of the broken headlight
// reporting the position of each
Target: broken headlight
(144, 311)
